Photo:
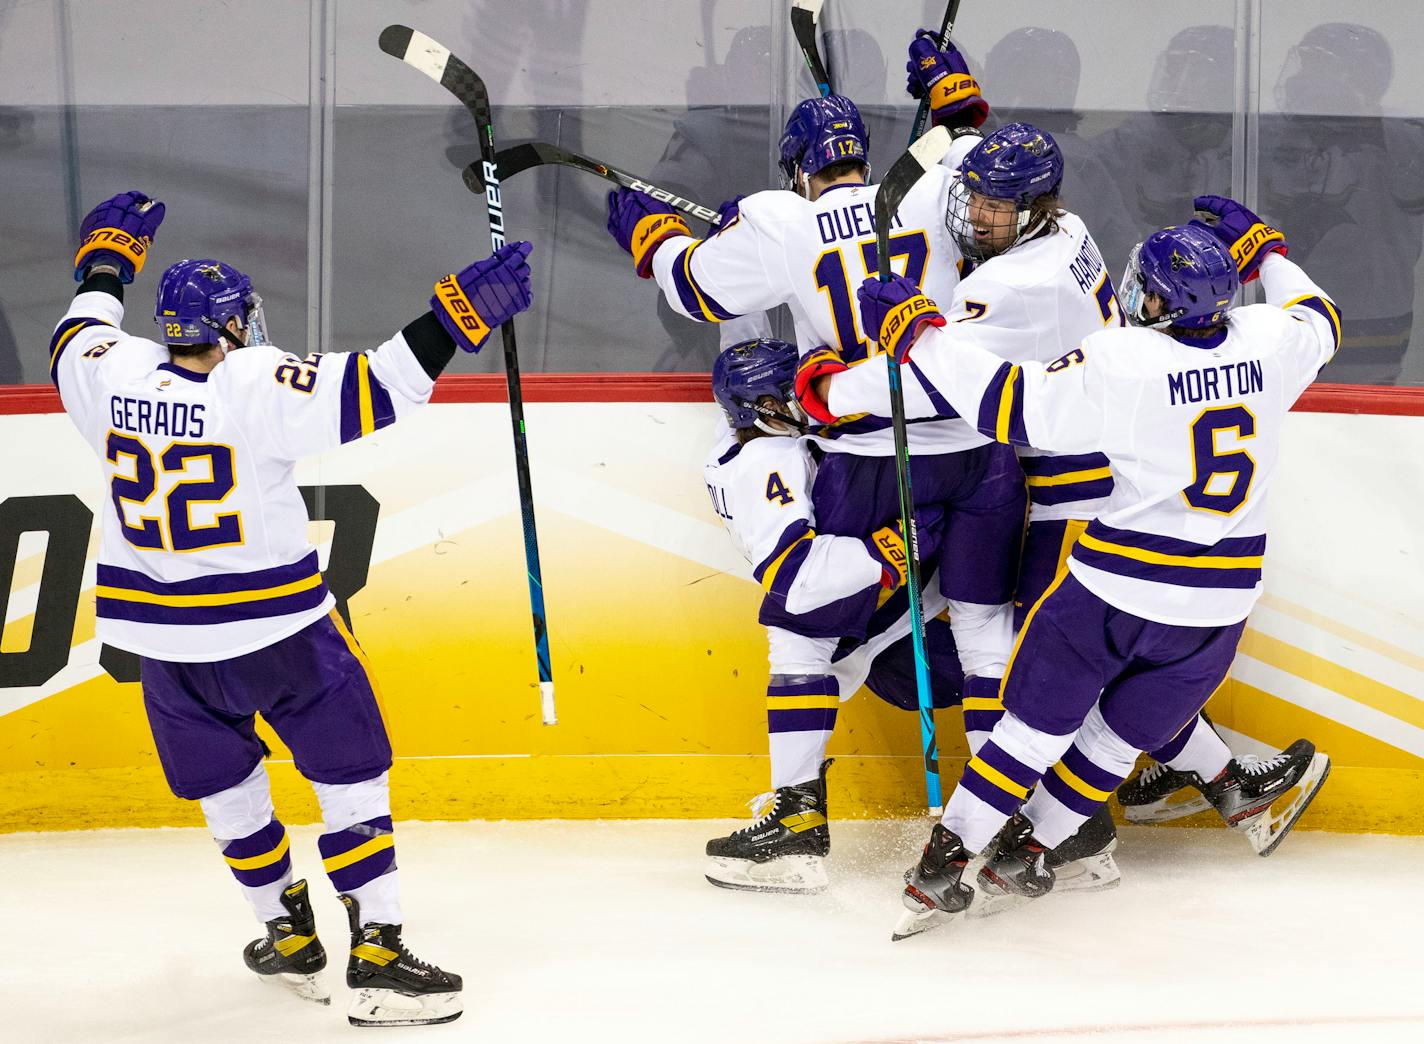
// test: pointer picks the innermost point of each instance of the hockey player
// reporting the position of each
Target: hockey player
(205, 572)
(804, 246)
(1136, 634)
(818, 587)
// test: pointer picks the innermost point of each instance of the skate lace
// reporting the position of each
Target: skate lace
(1155, 770)
(1253, 765)
(763, 807)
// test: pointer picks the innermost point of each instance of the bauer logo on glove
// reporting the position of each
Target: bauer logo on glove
(489, 293)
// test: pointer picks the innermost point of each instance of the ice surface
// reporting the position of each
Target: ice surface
(588, 931)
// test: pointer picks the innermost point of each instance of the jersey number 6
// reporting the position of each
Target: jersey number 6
(1220, 481)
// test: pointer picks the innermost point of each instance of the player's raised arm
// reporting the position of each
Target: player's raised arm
(322, 401)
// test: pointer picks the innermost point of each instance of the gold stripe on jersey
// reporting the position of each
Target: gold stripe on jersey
(1006, 406)
(769, 577)
(1159, 558)
(363, 394)
(1090, 475)
(186, 601)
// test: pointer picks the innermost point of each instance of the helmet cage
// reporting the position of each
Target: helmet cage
(959, 222)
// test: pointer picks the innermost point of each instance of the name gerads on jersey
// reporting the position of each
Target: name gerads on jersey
(1192, 434)
(203, 553)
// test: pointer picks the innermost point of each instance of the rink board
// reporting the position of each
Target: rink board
(659, 663)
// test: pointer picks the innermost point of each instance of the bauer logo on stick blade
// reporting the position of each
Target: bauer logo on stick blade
(495, 205)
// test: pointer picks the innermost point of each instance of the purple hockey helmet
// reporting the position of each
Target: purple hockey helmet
(1186, 266)
(196, 298)
(822, 131)
(1017, 164)
(745, 372)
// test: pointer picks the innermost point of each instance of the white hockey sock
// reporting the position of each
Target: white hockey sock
(1075, 788)
(253, 842)
(800, 716)
(379, 899)
(1204, 752)
(998, 778)
(983, 635)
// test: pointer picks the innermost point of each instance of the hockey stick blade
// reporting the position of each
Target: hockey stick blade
(804, 16)
(435, 60)
(518, 158)
(912, 165)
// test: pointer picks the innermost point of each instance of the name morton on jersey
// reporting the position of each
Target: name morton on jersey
(1215, 382)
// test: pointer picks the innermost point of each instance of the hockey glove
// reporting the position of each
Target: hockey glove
(1247, 237)
(729, 211)
(955, 100)
(118, 232)
(820, 362)
(897, 310)
(472, 302)
(640, 224)
(887, 547)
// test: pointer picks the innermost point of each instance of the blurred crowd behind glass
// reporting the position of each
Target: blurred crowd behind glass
(331, 173)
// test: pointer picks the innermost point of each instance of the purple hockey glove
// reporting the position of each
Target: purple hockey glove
(1247, 237)
(897, 310)
(472, 302)
(955, 99)
(729, 212)
(118, 232)
(640, 224)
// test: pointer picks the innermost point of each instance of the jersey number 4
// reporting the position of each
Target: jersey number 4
(1221, 481)
(173, 529)
(776, 489)
(833, 280)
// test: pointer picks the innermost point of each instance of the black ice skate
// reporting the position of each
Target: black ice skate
(935, 894)
(1084, 863)
(1159, 793)
(392, 987)
(1249, 786)
(1018, 869)
(291, 954)
(784, 850)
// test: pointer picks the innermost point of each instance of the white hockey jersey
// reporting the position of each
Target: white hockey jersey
(203, 552)
(783, 249)
(1192, 432)
(1025, 305)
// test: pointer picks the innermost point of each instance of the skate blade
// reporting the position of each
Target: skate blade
(786, 875)
(917, 922)
(1095, 873)
(307, 987)
(1177, 805)
(1269, 828)
(377, 1007)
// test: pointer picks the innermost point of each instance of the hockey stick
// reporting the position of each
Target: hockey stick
(519, 158)
(804, 16)
(924, 155)
(946, 27)
(421, 52)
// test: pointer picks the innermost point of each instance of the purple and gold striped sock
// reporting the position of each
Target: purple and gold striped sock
(983, 707)
(262, 865)
(800, 716)
(991, 790)
(359, 854)
(1070, 793)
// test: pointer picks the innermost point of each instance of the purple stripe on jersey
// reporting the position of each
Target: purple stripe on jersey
(1067, 796)
(792, 533)
(994, 756)
(350, 401)
(992, 402)
(67, 331)
(1048, 466)
(868, 423)
(1315, 304)
(806, 685)
(1093, 489)
(788, 572)
(1231, 547)
(1000, 801)
(937, 400)
(259, 609)
(1243, 579)
(692, 294)
(810, 719)
(843, 618)
(1078, 763)
(187, 375)
(219, 583)
(383, 411)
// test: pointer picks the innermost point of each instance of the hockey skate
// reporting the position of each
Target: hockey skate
(1159, 793)
(291, 955)
(1249, 788)
(392, 987)
(935, 893)
(1084, 863)
(1018, 870)
(784, 850)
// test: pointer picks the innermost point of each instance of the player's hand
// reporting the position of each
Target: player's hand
(729, 211)
(955, 99)
(896, 311)
(887, 547)
(640, 224)
(1247, 237)
(118, 232)
(813, 381)
(473, 301)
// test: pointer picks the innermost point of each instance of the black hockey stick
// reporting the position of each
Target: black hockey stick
(804, 16)
(519, 158)
(924, 155)
(946, 28)
(436, 61)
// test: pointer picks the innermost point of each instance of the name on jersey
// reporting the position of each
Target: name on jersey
(177, 420)
(1087, 267)
(853, 222)
(1215, 382)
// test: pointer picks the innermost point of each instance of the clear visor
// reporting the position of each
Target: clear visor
(1132, 289)
(256, 322)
